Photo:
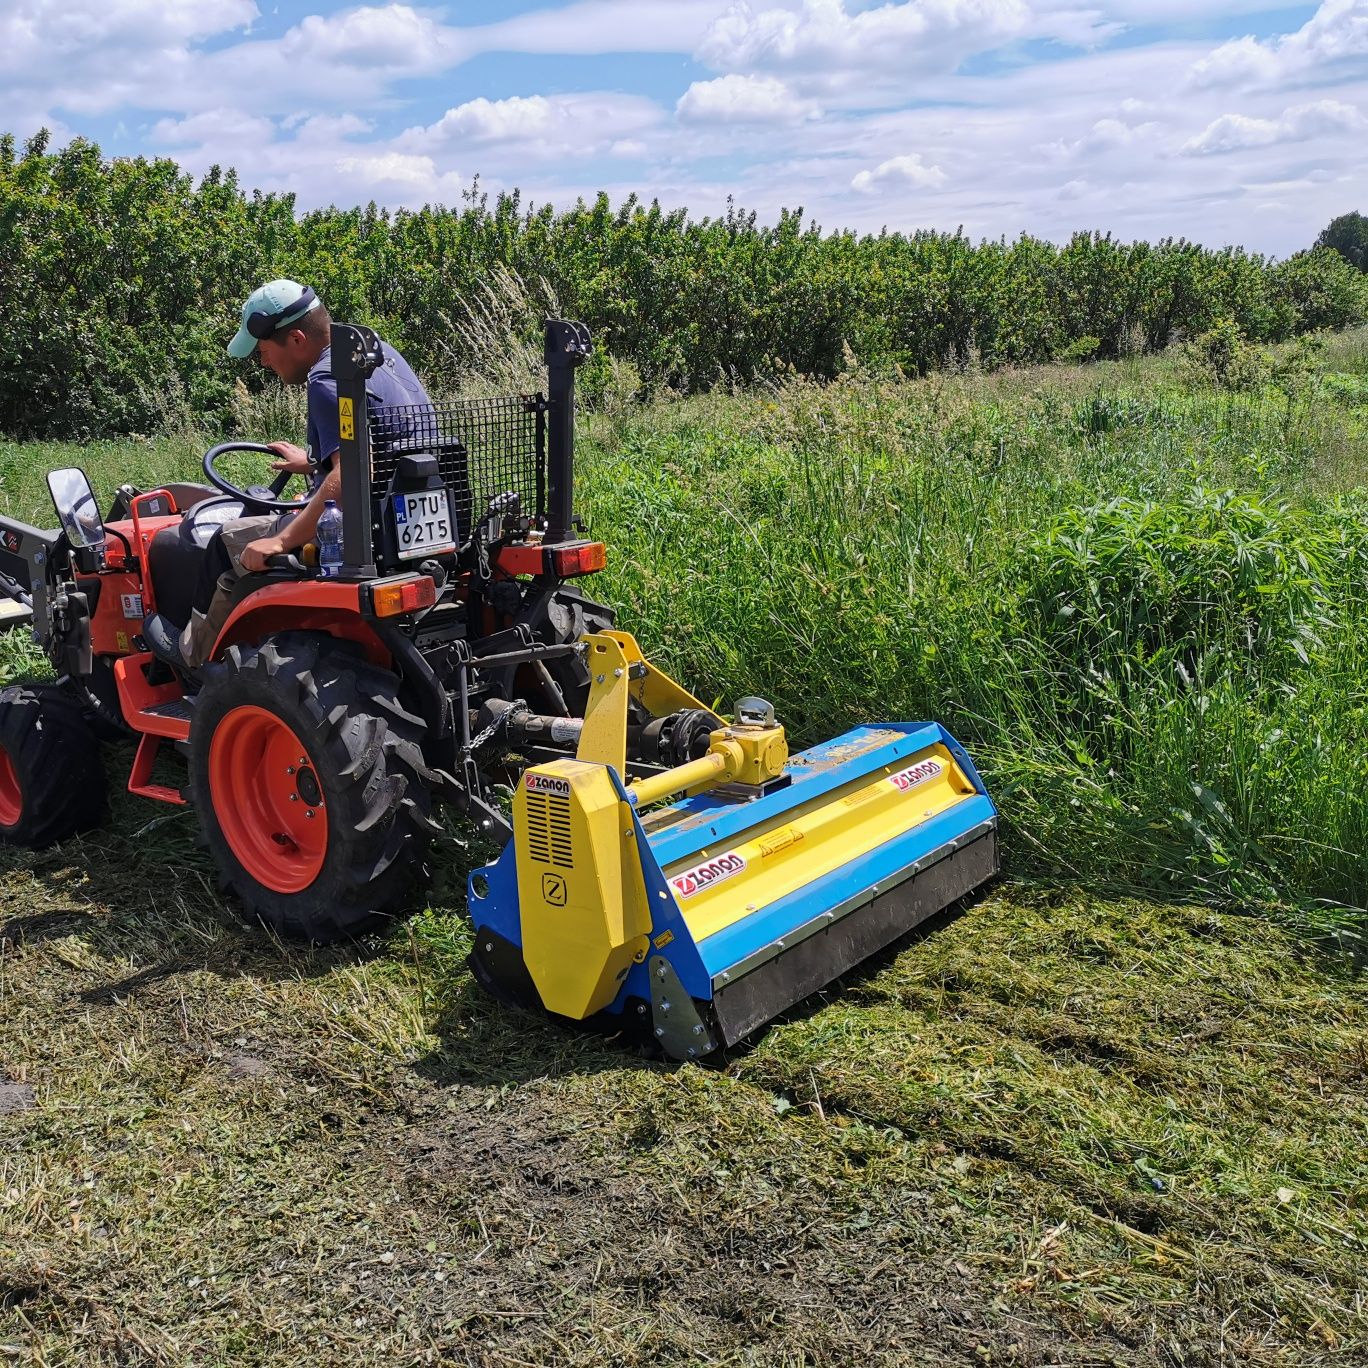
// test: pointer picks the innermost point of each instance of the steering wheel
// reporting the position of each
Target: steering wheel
(262, 497)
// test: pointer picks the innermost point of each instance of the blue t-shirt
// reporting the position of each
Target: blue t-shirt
(391, 385)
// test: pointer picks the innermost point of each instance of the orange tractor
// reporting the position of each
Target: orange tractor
(335, 712)
(664, 867)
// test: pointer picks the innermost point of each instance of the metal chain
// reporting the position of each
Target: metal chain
(488, 734)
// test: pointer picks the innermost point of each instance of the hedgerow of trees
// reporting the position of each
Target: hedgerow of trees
(1347, 235)
(121, 280)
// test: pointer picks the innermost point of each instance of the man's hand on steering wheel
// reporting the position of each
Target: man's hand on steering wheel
(293, 459)
(256, 498)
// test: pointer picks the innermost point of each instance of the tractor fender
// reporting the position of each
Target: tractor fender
(326, 606)
(335, 607)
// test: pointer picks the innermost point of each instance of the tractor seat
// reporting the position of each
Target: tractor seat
(174, 556)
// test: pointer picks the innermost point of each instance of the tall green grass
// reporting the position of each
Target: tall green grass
(1140, 600)
(1143, 605)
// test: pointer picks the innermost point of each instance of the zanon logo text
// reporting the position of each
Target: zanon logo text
(544, 783)
(703, 876)
(917, 774)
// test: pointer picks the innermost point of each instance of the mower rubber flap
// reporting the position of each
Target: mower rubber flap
(711, 915)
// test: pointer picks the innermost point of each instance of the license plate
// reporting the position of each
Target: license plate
(423, 524)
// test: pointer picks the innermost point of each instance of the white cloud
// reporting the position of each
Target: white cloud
(822, 42)
(1235, 132)
(42, 36)
(1106, 136)
(89, 56)
(538, 127)
(1336, 33)
(494, 120)
(743, 99)
(1167, 11)
(394, 38)
(898, 173)
(1240, 60)
(327, 128)
(593, 26)
(397, 169)
(224, 127)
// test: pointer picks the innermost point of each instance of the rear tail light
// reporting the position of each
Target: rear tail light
(577, 558)
(402, 596)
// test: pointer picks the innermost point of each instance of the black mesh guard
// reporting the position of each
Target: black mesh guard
(484, 448)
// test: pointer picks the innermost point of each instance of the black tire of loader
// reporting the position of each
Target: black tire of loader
(56, 762)
(364, 749)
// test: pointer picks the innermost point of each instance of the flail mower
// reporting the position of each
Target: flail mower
(665, 867)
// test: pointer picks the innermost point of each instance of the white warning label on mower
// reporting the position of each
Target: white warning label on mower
(132, 605)
(544, 783)
(710, 872)
(919, 773)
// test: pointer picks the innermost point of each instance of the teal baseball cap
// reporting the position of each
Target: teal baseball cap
(269, 308)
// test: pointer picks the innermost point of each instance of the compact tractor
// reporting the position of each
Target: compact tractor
(664, 866)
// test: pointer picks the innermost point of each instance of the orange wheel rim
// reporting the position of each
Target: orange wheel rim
(268, 799)
(11, 799)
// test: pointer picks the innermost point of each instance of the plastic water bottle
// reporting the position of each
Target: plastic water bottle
(329, 537)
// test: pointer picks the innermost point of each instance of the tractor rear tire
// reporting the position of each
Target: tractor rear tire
(52, 782)
(309, 778)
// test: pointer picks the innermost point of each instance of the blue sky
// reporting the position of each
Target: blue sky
(1218, 121)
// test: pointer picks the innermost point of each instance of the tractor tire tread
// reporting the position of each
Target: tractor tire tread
(56, 760)
(368, 761)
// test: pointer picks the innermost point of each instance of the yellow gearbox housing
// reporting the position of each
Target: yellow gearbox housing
(583, 901)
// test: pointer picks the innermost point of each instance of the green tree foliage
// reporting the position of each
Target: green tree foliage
(120, 282)
(117, 281)
(1347, 235)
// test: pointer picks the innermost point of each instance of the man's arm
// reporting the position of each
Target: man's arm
(300, 528)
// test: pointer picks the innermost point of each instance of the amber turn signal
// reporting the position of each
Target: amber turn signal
(577, 558)
(403, 596)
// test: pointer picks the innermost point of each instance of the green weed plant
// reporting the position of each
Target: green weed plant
(1143, 607)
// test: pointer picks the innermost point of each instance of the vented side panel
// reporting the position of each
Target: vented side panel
(548, 830)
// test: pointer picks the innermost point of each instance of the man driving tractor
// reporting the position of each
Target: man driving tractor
(287, 326)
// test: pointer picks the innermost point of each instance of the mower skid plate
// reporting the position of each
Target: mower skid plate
(819, 950)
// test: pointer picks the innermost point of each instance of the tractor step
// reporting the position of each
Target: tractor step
(158, 712)
(178, 709)
(152, 709)
(140, 780)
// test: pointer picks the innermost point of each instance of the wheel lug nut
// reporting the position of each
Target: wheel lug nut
(309, 812)
(294, 797)
(289, 769)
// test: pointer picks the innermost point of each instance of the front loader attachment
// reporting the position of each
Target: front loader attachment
(706, 917)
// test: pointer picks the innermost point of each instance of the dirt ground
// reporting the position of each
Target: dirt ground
(1047, 1131)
